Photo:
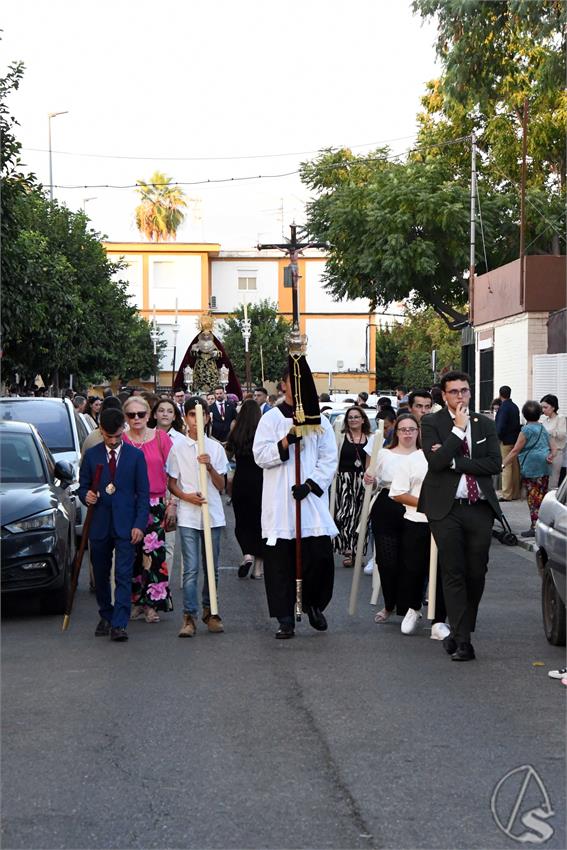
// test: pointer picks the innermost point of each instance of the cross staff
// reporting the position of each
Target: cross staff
(296, 347)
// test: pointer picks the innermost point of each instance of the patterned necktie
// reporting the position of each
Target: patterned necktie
(472, 487)
(112, 464)
(222, 409)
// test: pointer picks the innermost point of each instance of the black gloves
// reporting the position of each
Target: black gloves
(292, 438)
(300, 491)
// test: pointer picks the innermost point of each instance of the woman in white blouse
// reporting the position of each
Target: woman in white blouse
(386, 516)
(556, 426)
(416, 540)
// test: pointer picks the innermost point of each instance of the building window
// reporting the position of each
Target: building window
(247, 284)
(164, 274)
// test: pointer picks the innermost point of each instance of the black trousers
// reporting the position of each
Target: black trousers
(416, 545)
(387, 519)
(318, 568)
(463, 538)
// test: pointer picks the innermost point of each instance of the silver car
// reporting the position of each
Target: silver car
(551, 555)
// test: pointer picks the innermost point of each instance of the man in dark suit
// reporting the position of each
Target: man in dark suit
(119, 518)
(508, 428)
(222, 414)
(458, 498)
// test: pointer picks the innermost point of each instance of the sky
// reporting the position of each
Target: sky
(210, 91)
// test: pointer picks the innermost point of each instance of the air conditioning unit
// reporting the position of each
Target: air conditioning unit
(213, 302)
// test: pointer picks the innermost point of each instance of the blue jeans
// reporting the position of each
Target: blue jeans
(191, 541)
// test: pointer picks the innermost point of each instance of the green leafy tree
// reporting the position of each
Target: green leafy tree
(62, 309)
(159, 213)
(403, 351)
(269, 332)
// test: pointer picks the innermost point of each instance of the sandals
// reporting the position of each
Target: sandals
(347, 559)
(244, 568)
(383, 615)
(151, 615)
(137, 612)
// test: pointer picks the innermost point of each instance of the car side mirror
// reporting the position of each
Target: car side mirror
(64, 471)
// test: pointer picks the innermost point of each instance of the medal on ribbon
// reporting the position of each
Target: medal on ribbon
(110, 489)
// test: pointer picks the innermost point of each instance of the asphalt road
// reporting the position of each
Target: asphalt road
(356, 738)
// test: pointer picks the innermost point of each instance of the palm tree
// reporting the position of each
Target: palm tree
(159, 214)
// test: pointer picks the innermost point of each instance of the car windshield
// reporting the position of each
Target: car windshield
(20, 461)
(50, 418)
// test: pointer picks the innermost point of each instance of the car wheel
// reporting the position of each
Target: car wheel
(553, 611)
(55, 601)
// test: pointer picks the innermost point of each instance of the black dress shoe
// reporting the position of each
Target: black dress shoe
(103, 628)
(117, 633)
(449, 645)
(285, 631)
(464, 652)
(317, 619)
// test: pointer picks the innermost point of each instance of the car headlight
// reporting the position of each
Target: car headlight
(33, 523)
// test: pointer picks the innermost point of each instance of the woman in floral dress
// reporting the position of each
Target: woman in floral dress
(150, 581)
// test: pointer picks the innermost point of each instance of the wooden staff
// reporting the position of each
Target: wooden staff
(298, 561)
(363, 524)
(432, 593)
(204, 479)
(81, 551)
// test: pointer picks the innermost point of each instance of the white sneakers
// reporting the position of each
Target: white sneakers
(410, 622)
(558, 674)
(439, 631)
(369, 568)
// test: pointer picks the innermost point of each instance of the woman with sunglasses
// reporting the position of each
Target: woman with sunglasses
(386, 516)
(416, 539)
(150, 581)
(348, 487)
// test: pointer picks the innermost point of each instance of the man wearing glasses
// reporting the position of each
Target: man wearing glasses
(458, 498)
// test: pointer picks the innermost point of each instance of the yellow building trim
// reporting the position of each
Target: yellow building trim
(161, 247)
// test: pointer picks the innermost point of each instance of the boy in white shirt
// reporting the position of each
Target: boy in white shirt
(183, 470)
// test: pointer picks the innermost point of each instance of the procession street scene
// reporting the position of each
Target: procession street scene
(283, 432)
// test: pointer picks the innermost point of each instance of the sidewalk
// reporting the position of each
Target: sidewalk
(518, 516)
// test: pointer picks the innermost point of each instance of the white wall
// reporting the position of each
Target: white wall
(188, 328)
(516, 341)
(224, 282)
(550, 376)
(330, 340)
(318, 300)
(182, 275)
(133, 275)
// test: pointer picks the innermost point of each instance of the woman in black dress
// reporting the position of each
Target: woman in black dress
(247, 489)
(349, 482)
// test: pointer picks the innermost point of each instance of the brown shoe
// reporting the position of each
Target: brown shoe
(189, 626)
(212, 621)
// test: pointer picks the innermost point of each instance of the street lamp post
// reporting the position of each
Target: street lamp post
(154, 335)
(246, 326)
(51, 115)
(175, 332)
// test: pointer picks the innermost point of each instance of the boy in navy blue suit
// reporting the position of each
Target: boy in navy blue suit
(119, 517)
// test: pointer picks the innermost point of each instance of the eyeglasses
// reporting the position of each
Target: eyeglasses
(136, 414)
(454, 393)
(407, 430)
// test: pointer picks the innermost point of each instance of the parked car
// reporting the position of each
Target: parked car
(37, 541)
(60, 427)
(337, 416)
(551, 555)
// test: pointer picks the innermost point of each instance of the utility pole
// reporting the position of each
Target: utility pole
(293, 248)
(523, 204)
(472, 253)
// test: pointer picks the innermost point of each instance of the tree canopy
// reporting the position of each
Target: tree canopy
(62, 309)
(269, 332)
(403, 351)
(159, 214)
(399, 226)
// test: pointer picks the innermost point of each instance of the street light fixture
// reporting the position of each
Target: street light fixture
(85, 202)
(51, 115)
(246, 328)
(175, 330)
(154, 336)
